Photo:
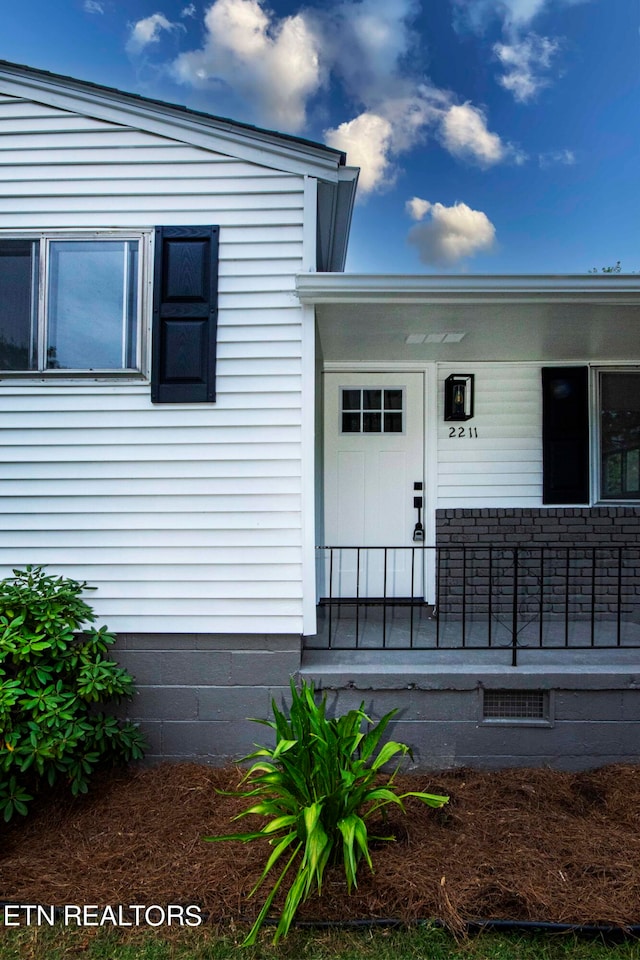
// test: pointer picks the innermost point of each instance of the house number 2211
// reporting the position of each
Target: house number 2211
(470, 432)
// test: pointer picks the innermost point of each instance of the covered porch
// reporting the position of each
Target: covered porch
(385, 342)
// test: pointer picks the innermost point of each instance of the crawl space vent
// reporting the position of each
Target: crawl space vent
(514, 705)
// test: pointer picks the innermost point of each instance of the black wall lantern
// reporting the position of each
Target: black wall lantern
(458, 396)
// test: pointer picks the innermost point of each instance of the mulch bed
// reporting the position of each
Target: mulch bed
(526, 845)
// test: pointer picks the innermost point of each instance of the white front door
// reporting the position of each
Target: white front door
(373, 469)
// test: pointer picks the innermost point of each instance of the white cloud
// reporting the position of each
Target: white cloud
(367, 142)
(476, 15)
(268, 69)
(564, 158)
(450, 234)
(521, 11)
(525, 61)
(368, 44)
(515, 14)
(274, 65)
(365, 42)
(147, 31)
(375, 139)
(525, 56)
(188, 11)
(417, 208)
(464, 133)
(92, 6)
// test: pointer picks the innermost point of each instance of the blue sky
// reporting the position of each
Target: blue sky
(494, 136)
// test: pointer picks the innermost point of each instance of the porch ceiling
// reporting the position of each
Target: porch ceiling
(368, 319)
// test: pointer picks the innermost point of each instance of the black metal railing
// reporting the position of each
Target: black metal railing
(476, 596)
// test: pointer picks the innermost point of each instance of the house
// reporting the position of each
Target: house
(418, 491)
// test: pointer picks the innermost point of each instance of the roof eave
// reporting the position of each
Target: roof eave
(335, 211)
(290, 153)
(487, 288)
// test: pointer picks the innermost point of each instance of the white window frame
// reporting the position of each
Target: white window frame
(145, 239)
(596, 476)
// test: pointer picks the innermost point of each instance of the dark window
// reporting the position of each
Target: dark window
(18, 304)
(620, 436)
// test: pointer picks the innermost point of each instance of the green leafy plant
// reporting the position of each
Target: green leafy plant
(53, 672)
(318, 786)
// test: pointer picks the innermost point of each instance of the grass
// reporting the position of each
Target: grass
(415, 943)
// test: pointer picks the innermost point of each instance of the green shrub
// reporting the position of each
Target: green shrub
(53, 673)
(318, 786)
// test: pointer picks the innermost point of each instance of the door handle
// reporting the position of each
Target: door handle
(418, 530)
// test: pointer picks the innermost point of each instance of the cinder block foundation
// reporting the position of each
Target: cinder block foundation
(196, 693)
(591, 707)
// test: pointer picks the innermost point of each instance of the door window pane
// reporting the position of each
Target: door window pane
(620, 435)
(371, 410)
(372, 399)
(351, 399)
(371, 422)
(393, 399)
(351, 422)
(393, 422)
(92, 305)
(18, 273)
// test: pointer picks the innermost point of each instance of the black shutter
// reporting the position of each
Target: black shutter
(185, 312)
(565, 434)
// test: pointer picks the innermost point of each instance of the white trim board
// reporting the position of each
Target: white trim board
(170, 120)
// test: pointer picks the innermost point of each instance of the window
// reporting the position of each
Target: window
(620, 435)
(76, 303)
(371, 410)
(569, 444)
(70, 304)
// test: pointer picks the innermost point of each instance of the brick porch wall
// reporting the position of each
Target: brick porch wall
(572, 582)
(539, 526)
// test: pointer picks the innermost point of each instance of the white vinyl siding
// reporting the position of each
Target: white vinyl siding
(502, 466)
(187, 518)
